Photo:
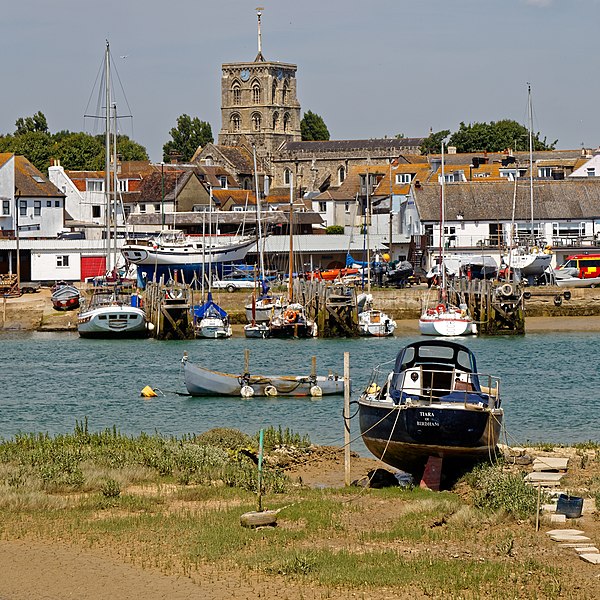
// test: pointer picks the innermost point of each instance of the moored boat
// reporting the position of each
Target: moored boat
(211, 321)
(432, 403)
(200, 381)
(110, 314)
(446, 320)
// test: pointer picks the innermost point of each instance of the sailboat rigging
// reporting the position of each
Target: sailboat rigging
(445, 319)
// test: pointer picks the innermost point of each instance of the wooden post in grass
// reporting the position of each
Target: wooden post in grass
(347, 418)
(260, 461)
(537, 512)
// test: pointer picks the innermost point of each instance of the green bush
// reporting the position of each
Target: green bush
(334, 230)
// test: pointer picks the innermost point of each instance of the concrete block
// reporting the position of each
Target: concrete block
(565, 531)
(544, 478)
(547, 463)
(558, 518)
(586, 550)
(561, 537)
(593, 558)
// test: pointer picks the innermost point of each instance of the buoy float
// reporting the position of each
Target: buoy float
(247, 391)
(316, 391)
(270, 390)
(148, 392)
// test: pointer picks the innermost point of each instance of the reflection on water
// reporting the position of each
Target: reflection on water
(549, 385)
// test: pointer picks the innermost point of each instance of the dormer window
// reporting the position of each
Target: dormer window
(591, 171)
(544, 171)
(403, 178)
(223, 181)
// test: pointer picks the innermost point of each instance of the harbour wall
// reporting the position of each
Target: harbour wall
(34, 312)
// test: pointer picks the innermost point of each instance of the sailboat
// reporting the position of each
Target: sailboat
(532, 259)
(292, 321)
(109, 312)
(371, 322)
(445, 319)
(210, 320)
(259, 311)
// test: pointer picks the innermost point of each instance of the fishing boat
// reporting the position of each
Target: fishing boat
(110, 314)
(200, 381)
(444, 318)
(432, 403)
(211, 321)
(65, 296)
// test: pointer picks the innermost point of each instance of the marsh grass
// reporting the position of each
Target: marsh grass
(175, 505)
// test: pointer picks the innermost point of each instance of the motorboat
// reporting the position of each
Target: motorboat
(432, 402)
(201, 381)
(211, 321)
(65, 296)
(110, 314)
(371, 321)
(445, 319)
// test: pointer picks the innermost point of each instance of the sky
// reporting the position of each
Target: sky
(370, 68)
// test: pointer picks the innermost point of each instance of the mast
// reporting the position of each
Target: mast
(291, 257)
(260, 249)
(107, 152)
(114, 195)
(367, 227)
(530, 119)
(442, 217)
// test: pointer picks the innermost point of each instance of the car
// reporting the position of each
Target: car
(235, 281)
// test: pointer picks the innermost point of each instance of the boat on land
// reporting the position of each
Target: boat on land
(110, 314)
(431, 402)
(569, 277)
(444, 318)
(201, 381)
(579, 270)
(65, 296)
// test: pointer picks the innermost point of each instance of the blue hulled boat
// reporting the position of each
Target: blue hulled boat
(432, 403)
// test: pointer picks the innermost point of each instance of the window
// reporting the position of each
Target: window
(6, 207)
(275, 121)
(94, 185)
(403, 177)
(223, 181)
(274, 91)
(235, 122)
(347, 207)
(256, 93)
(57, 203)
(127, 210)
(95, 211)
(142, 208)
(286, 121)
(287, 176)
(544, 171)
(62, 260)
(256, 121)
(37, 208)
(237, 95)
(284, 93)
(322, 206)
(123, 185)
(22, 208)
(591, 172)
(157, 208)
(48, 203)
(341, 175)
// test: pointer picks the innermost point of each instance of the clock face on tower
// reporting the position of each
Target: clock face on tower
(245, 74)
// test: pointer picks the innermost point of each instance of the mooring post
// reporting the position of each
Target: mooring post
(347, 418)
(313, 368)
(246, 360)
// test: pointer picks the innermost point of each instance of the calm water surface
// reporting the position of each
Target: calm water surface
(549, 382)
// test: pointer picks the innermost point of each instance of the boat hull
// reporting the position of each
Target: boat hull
(446, 326)
(112, 321)
(204, 382)
(376, 324)
(406, 436)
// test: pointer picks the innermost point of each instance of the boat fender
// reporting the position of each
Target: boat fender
(270, 390)
(150, 326)
(506, 289)
(373, 388)
(440, 308)
(148, 392)
(557, 300)
(247, 391)
(316, 391)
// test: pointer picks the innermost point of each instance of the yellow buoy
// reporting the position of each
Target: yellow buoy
(148, 392)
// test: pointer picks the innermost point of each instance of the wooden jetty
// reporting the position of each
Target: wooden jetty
(168, 307)
(497, 308)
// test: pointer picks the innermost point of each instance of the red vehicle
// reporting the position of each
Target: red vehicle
(332, 274)
(588, 265)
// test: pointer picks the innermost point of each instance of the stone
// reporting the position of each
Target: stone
(586, 550)
(561, 537)
(565, 531)
(558, 518)
(544, 478)
(547, 463)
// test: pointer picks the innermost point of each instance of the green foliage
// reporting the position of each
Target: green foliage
(189, 134)
(313, 128)
(498, 490)
(222, 437)
(334, 230)
(433, 143)
(273, 438)
(37, 122)
(111, 489)
(76, 151)
(496, 136)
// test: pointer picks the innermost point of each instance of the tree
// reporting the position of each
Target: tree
(187, 137)
(80, 151)
(496, 136)
(433, 143)
(37, 122)
(36, 146)
(313, 128)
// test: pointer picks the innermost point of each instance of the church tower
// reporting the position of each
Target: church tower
(258, 100)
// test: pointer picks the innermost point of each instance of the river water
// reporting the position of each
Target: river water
(549, 384)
